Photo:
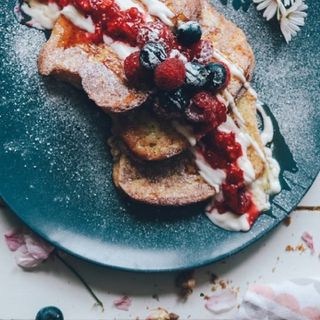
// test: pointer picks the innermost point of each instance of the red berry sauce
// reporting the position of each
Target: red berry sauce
(221, 151)
(109, 19)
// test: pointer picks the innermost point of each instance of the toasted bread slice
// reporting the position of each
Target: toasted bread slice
(173, 182)
(176, 181)
(147, 136)
(230, 41)
(151, 138)
(96, 68)
(247, 107)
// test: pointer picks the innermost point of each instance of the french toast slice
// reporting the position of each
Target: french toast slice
(151, 138)
(95, 68)
(173, 182)
(176, 181)
(147, 136)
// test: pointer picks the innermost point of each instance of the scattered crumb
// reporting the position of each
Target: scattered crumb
(301, 248)
(155, 296)
(222, 284)
(287, 221)
(273, 269)
(213, 278)
(185, 282)
(162, 314)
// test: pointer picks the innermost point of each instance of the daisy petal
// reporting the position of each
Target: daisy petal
(270, 11)
(263, 5)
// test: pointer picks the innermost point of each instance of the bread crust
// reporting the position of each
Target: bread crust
(95, 68)
(173, 182)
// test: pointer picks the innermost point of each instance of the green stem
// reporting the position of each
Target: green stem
(82, 280)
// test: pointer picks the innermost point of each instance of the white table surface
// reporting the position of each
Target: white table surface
(23, 293)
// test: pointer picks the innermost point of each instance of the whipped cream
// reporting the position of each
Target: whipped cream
(44, 16)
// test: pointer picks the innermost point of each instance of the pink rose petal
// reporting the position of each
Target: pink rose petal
(222, 301)
(123, 303)
(37, 247)
(308, 239)
(30, 250)
(14, 239)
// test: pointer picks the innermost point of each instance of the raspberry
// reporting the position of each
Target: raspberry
(236, 198)
(63, 3)
(235, 175)
(170, 74)
(203, 51)
(155, 32)
(133, 70)
(83, 5)
(216, 159)
(99, 6)
(214, 111)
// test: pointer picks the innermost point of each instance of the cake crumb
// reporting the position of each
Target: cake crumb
(287, 221)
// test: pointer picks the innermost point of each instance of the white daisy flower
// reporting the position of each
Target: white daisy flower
(288, 2)
(292, 19)
(270, 7)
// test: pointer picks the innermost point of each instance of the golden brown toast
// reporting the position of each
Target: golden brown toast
(176, 181)
(151, 138)
(230, 41)
(147, 136)
(247, 107)
(95, 68)
(173, 182)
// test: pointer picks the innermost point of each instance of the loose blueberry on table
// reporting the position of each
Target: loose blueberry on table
(49, 313)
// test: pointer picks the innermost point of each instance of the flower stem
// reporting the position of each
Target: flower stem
(82, 280)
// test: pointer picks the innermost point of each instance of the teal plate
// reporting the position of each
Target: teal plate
(55, 165)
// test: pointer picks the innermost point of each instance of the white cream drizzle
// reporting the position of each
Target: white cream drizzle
(229, 220)
(160, 10)
(121, 49)
(84, 23)
(260, 188)
(214, 177)
(43, 16)
(185, 131)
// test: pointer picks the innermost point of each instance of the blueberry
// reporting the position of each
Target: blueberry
(189, 33)
(174, 101)
(218, 76)
(49, 313)
(152, 54)
(196, 75)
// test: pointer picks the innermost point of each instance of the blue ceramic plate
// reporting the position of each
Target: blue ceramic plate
(55, 166)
